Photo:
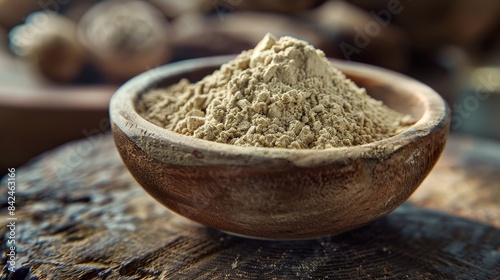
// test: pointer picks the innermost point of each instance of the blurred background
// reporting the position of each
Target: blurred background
(61, 60)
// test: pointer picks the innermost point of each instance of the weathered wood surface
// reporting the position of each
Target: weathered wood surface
(82, 216)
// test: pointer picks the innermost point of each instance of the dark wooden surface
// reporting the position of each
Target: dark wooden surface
(82, 216)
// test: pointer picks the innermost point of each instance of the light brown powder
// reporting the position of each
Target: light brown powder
(284, 93)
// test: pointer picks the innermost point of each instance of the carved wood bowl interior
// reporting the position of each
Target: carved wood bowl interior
(275, 193)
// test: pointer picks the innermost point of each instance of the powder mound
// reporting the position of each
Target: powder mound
(284, 93)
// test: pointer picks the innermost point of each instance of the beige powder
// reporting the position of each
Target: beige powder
(284, 93)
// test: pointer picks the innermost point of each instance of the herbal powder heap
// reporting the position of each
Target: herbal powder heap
(284, 93)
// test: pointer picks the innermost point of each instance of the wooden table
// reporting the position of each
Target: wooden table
(82, 216)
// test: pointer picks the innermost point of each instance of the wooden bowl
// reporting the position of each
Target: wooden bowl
(275, 193)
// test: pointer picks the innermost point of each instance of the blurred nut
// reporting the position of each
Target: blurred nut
(125, 38)
(49, 41)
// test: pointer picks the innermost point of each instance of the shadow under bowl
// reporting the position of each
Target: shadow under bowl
(275, 193)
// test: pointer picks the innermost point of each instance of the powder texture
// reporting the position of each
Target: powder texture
(284, 93)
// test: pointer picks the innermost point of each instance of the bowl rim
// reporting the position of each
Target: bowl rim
(435, 117)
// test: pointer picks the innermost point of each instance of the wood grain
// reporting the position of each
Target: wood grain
(82, 216)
